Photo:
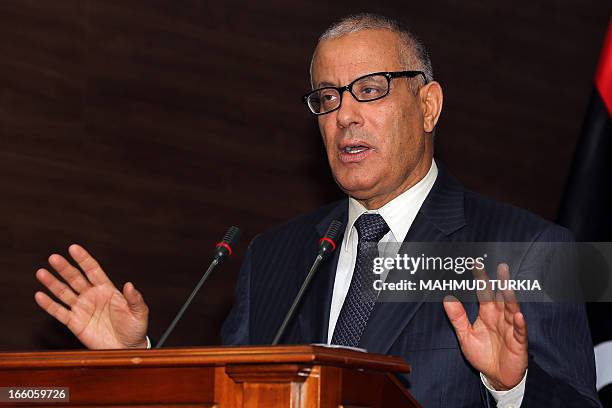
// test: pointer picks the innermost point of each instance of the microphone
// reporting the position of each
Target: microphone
(223, 249)
(327, 245)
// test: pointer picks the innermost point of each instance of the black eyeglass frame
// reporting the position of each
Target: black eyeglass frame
(349, 88)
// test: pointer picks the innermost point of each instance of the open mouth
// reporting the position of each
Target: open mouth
(353, 153)
(355, 149)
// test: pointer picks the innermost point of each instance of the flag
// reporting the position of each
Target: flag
(586, 208)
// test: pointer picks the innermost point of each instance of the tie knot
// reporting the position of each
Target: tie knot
(371, 227)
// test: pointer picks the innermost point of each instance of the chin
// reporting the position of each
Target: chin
(360, 191)
(357, 182)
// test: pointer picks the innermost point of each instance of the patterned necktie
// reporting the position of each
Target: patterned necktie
(361, 295)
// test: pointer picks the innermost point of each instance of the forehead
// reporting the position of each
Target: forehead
(340, 60)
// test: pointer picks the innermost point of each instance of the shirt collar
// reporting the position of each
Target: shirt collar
(398, 213)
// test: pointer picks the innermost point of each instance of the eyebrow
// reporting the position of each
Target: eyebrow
(324, 84)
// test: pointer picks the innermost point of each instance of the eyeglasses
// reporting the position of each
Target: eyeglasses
(366, 88)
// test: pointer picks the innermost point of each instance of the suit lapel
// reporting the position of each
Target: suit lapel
(441, 214)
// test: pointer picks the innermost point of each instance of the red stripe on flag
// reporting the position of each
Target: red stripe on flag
(603, 76)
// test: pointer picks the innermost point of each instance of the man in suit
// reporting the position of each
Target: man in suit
(377, 106)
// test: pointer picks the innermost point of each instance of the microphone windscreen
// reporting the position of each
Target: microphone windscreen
(231, 236)
(333, 231)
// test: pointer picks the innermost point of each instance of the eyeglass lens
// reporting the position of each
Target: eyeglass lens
(364, 89)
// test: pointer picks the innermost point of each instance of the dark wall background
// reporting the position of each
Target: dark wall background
(142, 129)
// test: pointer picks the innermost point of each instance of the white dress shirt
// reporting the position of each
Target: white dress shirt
(399, 214)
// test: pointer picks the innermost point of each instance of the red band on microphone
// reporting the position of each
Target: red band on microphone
(333, 244)
(224, 245)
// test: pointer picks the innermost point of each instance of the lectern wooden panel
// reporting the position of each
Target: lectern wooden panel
(232, 377)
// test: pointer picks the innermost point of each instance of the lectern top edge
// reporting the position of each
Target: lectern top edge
(189, 356)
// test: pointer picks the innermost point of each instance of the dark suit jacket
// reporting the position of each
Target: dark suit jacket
(561, 364)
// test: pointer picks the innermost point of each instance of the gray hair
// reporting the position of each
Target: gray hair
(413, 54)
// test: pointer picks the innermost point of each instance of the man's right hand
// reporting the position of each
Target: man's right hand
(98, 314)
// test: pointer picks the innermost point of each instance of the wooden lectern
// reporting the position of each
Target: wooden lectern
(281, 376)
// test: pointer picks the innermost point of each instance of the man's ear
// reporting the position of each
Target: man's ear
(431, 103)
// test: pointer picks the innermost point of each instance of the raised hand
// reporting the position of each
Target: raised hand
(98, 314)
(496, 344)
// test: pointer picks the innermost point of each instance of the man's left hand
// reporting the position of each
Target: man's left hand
(496, 343)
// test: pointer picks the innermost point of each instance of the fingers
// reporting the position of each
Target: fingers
(485, 295)
(135, 300)
(506, 296)
(89, 265)
(512, 309)
(52, 307)
(57, 287)
(71, 275)
(456, 314)
(520, 328)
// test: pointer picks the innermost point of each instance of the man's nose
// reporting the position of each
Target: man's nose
(349, 112)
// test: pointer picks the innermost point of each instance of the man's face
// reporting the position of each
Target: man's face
(389, 148)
